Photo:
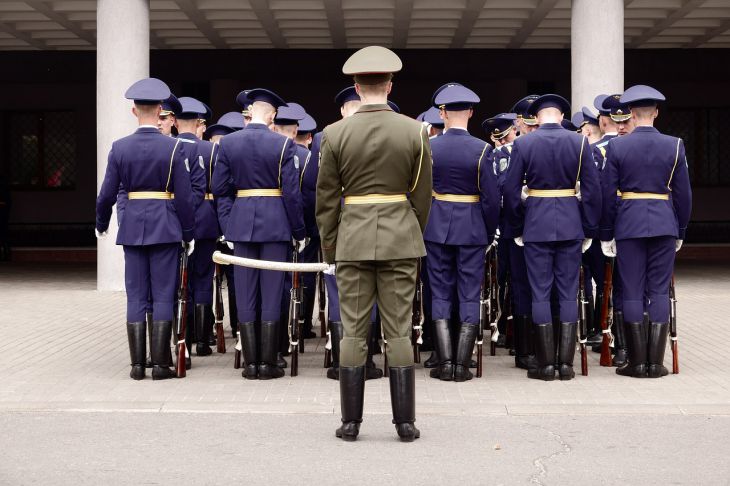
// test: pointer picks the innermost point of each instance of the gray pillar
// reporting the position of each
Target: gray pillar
(597, 50)
(122, 57)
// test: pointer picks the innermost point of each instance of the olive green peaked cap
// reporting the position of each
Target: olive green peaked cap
(372, 60)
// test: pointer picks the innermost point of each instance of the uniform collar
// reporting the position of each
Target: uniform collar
(456, 131)
(187, 136)
(646, 129)
(371, 108)
(147, 129)
(256, 126)
(551, 126)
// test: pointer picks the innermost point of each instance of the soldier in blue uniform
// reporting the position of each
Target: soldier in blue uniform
(646, 227)
(434, 121)
(305, 131)
(553, 225)
(525, 122)
(151, 167)
(256, 168)
(463, 221)
(228, 123)
(587, 124)
(167, 119)
(512, 257)
(201, 266)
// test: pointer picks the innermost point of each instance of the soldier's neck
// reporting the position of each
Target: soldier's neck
(374, 99)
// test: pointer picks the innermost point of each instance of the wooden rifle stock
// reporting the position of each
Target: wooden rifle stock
(219, 312)
(673, 327)
(181, 317)
(605, 329)
(582, 324)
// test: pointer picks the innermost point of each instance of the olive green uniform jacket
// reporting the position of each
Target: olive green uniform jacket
(373, 152)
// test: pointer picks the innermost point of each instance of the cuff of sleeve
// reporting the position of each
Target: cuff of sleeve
(518, 230)
(299, 233)
(328, 255)
(187, 235)
(590, 232)
(682, 233)
(606, 234)
(102, 227)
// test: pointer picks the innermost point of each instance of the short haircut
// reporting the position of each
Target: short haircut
(146, 109)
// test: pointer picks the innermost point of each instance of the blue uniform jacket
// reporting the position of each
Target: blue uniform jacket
(257, 158)
(148, 161)
(599, 150)
(308, 184)
(202, 156)
(646, 161)
(501, 163)
(552, 158)
(462, 164)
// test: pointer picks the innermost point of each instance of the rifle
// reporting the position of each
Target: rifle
(494, 311)
(673, 328)
(583, 323)
(295, 317)
(417, 316)
(219, 313)
(182, 310)
(483, 314)
(606, 316)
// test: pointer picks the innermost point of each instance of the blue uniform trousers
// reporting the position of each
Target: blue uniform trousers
(646, 266)
(151, 270)
(594, 268)
(455, 268)
(259, 289)
(553, 264)
(521, 297)
(201, 271)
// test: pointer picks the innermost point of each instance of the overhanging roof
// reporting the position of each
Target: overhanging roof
(324, 24)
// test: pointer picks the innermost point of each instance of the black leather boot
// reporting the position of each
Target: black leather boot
(595, 335)
(433, 360)
(232, 310)
(636, 339)
(269, 343)
(202, 348)
(403, 401)
(566, 350)
(160, 350)
(445, 369)
(464, 350)
(148, 321)
(250, 356)
(658, 332)
(333, 373)
(619, 344)
(544, 353)
(137, 348)
(352, 395)
(524, 343)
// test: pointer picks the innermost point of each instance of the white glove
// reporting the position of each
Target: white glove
(497, 234)
(189, 247)
(103, 235)
(586, 244)
(678, 245)
(300, 245)
(609, 248)
(330, 269)
(524, 195)
(519, 242)
(577, 195)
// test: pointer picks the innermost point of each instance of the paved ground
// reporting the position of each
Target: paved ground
(66, 403)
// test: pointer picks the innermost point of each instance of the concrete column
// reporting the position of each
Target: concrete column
(122, 57)
(597, 50)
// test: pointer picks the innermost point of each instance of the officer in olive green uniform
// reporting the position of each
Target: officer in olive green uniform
(380, 162)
